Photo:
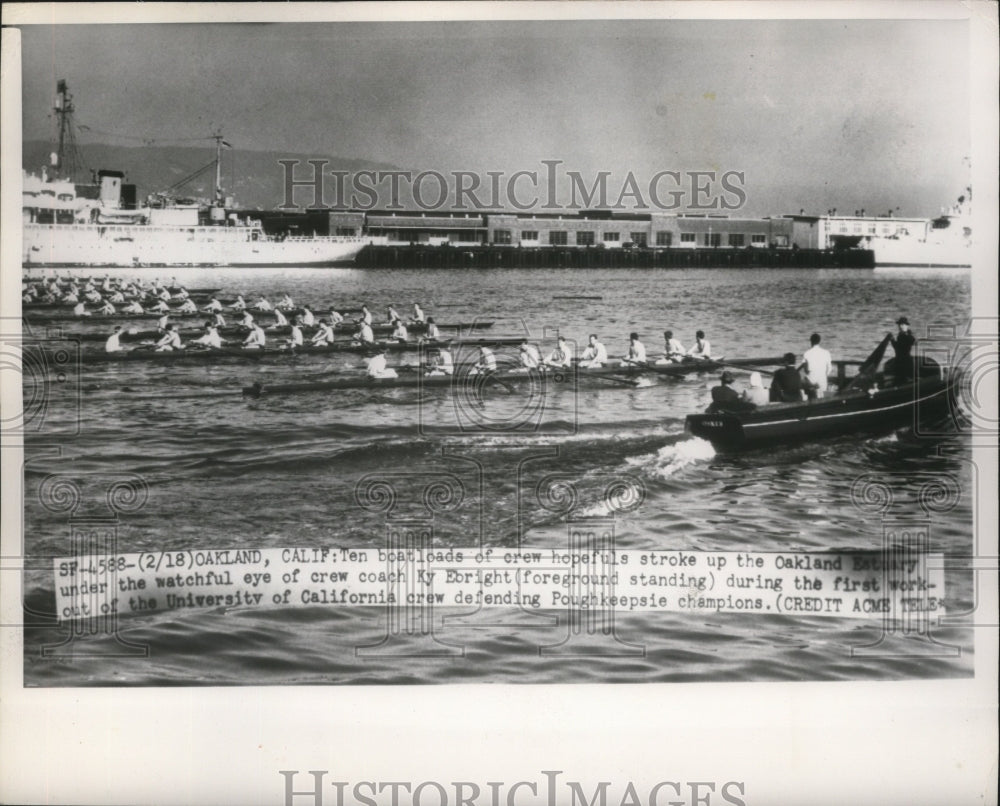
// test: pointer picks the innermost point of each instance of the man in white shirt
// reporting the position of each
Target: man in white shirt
(559, 357)
(487, 360)
(636, 350)
(818, 364)
(701, 349)
(295, 337)
(211, 337)
(323, 336)
(673, 350)
(377, 367)
(279, 318)
(256, 340)
(365, 334)
(596, 354)
(307, 317)
(171, 340)
(399, 331)
(114, 344)
(530, 357)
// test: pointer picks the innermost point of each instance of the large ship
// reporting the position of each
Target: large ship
(945, 241)
(101, 225)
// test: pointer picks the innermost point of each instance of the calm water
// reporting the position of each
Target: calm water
(225, 472)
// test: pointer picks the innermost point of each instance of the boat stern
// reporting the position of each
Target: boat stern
(721, 429)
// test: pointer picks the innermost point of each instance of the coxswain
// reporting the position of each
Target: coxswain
(308, 320)
(188, 307)
(211, 338)
(560, 357)
(487, 360)
(70, 299)
(701, 350)
(596, 354)
(279, 319)
(432, 333)
(114, 342)
(256, 339)
(295, 335)
(377, 367)
(418, 313)
(399, 332)
(323, 335)
(247, 320)
(171, 340)
(365, 334)
(80, 309)
(133, 307)
(240, 304)
(673, 350)
(107, 309)
(529, 356)
(636, 350)
(262, 304)
(903, 343)
(214, 306)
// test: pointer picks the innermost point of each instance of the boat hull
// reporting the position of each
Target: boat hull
(928, 400)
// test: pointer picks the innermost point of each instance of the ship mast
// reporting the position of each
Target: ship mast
(220, 143)
(66, 160)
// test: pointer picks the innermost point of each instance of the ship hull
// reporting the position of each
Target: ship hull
(126, 246)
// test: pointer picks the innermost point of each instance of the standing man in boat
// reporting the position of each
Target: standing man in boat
(786, 383)
(636, 351)
(114, 343)
(701, 350)
(903, 343)
(818, 364)
(596, 354)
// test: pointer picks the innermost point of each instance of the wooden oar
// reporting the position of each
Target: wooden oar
(746, 368)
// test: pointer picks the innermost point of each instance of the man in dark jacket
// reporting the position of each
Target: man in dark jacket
(903, 343)
(786, 385)
(725, 398)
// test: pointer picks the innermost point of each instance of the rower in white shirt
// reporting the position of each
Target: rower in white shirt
(636, 350)
(365, 334)
(220, 320)
(214, 306)
(285, 303)
(701, 349)
(366, 315)
(295, 337)
(399, 331)
(118, 298)
(188, 307)
(80, 309)
(114, 343)
(263, 305)
(107, 309)
(335, 317)
(133, 307)
(392, 315)
(377, 366)
(307, 318)
(323, 335)
(279, 319)
(160, 307)
(256, 340)
(211, 338)
(673, 350)
(440, 362)
(240, 304)
(171, 340)
(487, 360)
(418, 313)
(432, 333)
(247, 320)
(596, 354)
(529, 356)
(560, 357)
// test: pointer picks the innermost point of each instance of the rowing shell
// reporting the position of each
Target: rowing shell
(466, 381)
(272, 330)
(280, 353)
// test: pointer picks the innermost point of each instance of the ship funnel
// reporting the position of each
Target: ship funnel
(111, 188)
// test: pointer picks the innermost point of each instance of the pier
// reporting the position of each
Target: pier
(446, 256)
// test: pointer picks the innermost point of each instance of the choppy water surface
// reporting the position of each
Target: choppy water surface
(223, 472)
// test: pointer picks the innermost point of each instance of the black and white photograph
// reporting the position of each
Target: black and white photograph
(364, 352)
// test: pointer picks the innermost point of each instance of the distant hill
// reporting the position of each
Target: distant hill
(254, 178)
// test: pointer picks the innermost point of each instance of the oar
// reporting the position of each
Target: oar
(870, 364)
(746, 368)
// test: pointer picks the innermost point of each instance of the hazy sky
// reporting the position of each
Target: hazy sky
(835, 113)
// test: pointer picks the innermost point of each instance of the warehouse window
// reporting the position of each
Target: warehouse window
(638, 238)
(713, 239)
(585, 239)
(502, 237)
(687, 237)
(611, 237)
(664, 238)
(737, 239)
(346, 231)
(529, 235)
(558, 238)
(758, 240)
